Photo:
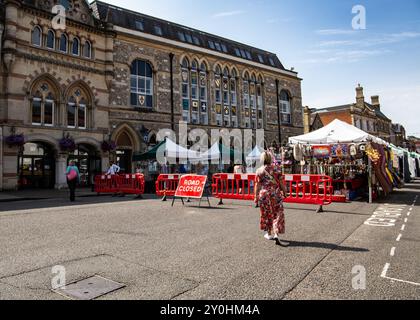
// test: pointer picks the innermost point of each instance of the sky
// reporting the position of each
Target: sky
(317, 38)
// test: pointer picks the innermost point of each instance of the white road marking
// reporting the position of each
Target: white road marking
(408, 214)
(405, 220)
(393, 251)
(383, 275)
(399, 237)
(411, 209)
(403, 281)
(403, 227)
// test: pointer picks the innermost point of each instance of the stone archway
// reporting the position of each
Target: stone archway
(128, 142)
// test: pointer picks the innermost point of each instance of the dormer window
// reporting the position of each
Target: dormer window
(158, 30)
(139, 25)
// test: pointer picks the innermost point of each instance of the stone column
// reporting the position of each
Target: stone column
(60, 171)
(105, 161)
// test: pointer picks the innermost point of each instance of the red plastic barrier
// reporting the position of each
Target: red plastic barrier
(233, 186)
(131, 184)
(106, 184)
(167, 184)
(125, 184)
(304, 189)
(308, 189)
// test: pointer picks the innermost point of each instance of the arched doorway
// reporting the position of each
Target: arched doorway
(124, 152)
(88, 160)
(36, 166)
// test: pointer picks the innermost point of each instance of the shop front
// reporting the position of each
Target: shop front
(36, 166)
(88, 160)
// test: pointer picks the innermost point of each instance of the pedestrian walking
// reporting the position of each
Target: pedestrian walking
(73, 177)
(238, 169)
(269, 194)
(113, 169)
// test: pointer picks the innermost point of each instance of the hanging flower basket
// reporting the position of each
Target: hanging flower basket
(67, 144)
(17, 140)
(108, 146)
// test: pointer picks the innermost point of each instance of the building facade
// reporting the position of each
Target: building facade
(361, 114)
(109, 75)
(399, 136)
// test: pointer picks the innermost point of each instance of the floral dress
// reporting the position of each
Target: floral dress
(271, 200)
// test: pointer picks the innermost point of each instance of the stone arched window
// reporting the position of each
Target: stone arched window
(218, 95)
(195, 110)
(246, 100)
(36, 37)
(185, 78)
(87, 50)
(234, 98)
(141, 84)
(204, 117)
(253, 100)
(78, 108)
(75, 47)
(43, 103)
(63, 43)
(260, 103)
(285, 107)
(50, 41)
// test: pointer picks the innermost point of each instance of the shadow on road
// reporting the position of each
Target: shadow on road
(327, 210)
(320, 245)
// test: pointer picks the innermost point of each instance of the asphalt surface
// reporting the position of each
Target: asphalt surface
(160, 252)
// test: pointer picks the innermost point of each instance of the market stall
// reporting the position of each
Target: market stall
(360, 164)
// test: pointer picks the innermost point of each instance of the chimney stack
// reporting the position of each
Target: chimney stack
(375, 102)
(360, 98)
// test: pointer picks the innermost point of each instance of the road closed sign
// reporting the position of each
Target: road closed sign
(191, 186)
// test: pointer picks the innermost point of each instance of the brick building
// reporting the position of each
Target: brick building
(398, 137)
(361, 114)
(117, 75)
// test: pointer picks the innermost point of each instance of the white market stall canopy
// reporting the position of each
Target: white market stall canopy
(175, 151)
(334, 133)
(212, 154)
(255, 155)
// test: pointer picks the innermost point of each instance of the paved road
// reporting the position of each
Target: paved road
(160, 252)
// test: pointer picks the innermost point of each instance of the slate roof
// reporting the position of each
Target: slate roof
(140, 22)
(378, 112)
(336, 108)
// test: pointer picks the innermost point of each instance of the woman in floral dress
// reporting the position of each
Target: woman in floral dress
(269, 194)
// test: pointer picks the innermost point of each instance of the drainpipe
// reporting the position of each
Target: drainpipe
(1, 158)
(278, 111)
(171, 61)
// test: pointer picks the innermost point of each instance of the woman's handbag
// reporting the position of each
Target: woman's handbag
(72, 175)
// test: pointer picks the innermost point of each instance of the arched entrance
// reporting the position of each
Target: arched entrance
(124, 152)
(36, 166)
(88, 160)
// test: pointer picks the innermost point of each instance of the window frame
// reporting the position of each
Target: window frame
(66, 42)
(39, 37)
(147, 90)
(90, 50)
(50, 31)
(78, 47)
(40, 112)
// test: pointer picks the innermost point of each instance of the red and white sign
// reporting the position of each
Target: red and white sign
(191, 186)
